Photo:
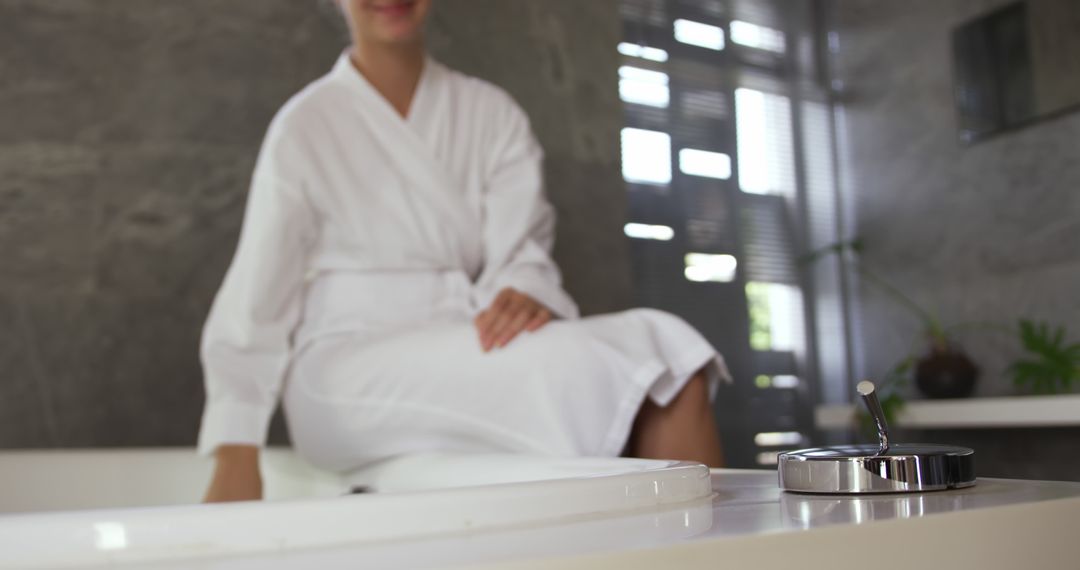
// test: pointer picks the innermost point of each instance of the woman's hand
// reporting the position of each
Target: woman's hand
(510, 313)
(236, 475)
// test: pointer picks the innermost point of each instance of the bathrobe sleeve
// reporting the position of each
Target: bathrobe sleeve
(246, 341)
(518, 221)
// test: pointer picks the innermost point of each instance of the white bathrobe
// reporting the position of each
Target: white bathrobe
(369, 244)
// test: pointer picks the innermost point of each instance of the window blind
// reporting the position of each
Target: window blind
(729, 181)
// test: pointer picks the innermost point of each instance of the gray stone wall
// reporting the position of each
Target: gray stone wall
(128, 130)
(987, 233)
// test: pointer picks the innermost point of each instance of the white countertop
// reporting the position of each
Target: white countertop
(747, 505)
(1015, 411)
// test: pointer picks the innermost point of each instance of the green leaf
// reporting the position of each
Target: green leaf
(1051, 365)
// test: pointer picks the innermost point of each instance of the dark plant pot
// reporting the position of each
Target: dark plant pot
(946, 373)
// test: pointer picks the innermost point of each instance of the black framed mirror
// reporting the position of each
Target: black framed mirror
(1015, 66)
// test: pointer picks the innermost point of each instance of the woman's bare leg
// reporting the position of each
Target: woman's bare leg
(684, 430)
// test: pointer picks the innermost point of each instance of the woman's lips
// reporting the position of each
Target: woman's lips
(393, 9)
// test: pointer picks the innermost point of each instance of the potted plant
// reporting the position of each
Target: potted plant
(944, 370)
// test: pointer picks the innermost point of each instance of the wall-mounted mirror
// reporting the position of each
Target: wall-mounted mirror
(1016, 65)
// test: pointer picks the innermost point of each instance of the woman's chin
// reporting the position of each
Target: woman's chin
(406, 39)
(405, 33)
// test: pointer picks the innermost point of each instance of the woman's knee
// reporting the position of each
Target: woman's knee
(696, 390)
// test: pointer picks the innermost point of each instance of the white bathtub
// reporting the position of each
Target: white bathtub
(139, 506)
(509, 512)
(66, 480)
(53, 480)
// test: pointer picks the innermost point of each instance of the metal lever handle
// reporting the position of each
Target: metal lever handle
(868, 393)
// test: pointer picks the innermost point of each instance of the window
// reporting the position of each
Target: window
(726, 193)
(760, 37)
(647, 231)
(704, 163)
(768, 457)
(775, 314)
(765, 148)
(703, 267)
(699, 34)
(822, 220)
(644, 52)
(776, 438)
(643, 87)
(646, 156)
(780, 381)
(704, 104)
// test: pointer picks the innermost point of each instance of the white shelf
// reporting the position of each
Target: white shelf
(1018, 411)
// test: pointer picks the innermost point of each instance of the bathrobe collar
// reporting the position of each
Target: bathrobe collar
(346, 72)
(411, 150)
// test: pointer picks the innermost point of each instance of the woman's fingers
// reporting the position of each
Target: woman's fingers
(503, 299)
(502, 322)
(510, 313)
(486, 319)
(540, 319)
(517, 324)
(481, 324)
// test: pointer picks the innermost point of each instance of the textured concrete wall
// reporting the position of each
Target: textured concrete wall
(128, 130)
(987, 233)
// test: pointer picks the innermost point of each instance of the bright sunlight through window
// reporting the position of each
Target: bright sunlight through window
(698, 34)
(644, 52)
(774, 315)
(767, 457)
(760, 37)
(704, 163)
(646, 156)
(765, 143)
(775, 438)
(647, 231)
(643, 86)
(704, 267)
(780, 381)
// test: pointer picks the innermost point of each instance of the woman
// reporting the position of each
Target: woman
(393, 285)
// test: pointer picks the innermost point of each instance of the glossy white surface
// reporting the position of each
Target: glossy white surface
(74, 479)
(66, 480)
(747, 504)
(353, 532)
(427, 472)
(489, 492)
